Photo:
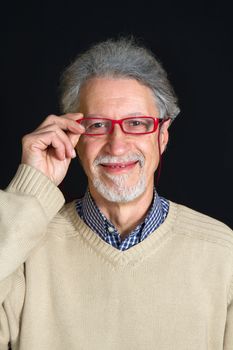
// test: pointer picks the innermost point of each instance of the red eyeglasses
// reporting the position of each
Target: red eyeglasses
(133, 125)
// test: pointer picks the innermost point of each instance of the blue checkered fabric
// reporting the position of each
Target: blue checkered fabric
(92, 216)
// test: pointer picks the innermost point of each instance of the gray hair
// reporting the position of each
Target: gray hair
(122, 58)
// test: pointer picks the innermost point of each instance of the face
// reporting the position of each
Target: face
(119, 167)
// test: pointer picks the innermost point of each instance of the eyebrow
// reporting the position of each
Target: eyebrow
(94, 115)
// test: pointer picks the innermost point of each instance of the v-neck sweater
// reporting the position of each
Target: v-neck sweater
(62, 287)
(98, 222)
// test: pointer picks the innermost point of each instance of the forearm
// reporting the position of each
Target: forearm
(26, 207)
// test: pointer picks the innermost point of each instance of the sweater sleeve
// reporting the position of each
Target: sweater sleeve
(228, 338)
(26, 207)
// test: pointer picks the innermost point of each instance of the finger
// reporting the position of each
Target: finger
(77, 126)
(73, 139)
(58, 147)
(61, 146)
(65, 137)
(44, 142)
(68, 146)
(66, 122)
(76, 129)
(49, 139)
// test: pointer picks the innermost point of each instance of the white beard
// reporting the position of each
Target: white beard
(120, 191)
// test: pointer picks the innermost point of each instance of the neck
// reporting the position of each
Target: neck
(125, 216)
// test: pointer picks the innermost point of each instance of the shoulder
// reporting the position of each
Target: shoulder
(196, 225)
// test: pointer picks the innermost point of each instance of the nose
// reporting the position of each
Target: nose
(117, 142)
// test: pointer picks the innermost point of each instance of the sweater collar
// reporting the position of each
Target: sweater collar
(96, 220)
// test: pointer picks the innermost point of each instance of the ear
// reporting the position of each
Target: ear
(164, 135)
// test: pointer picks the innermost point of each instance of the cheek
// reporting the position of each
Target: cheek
(87, 150)
(151, 154)
(82, 151)
(149, 149)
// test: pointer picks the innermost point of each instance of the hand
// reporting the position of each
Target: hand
(50, 147)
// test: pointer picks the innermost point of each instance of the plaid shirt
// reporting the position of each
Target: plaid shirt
(92, 216)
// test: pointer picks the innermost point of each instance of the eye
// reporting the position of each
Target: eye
(96, 125)
(138, 125)
(135, 122)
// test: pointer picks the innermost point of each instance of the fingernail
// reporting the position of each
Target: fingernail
(77, 124)
(73, 154)
(82, 127)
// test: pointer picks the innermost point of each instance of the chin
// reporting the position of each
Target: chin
(119, 191)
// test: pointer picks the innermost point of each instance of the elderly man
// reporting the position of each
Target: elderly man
(121, 268)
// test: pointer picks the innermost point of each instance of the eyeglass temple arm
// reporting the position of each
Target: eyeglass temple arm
(159, 169)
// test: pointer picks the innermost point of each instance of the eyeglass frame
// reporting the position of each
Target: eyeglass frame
(156, 121)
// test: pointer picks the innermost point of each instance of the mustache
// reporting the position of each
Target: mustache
(130, 157)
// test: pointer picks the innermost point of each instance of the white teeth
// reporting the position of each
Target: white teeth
(105, 160)
(117, 166)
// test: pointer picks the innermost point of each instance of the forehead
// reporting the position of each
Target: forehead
(109, 96)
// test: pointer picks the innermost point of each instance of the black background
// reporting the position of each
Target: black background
(194, 43)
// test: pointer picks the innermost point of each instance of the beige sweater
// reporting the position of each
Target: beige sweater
(63, 288)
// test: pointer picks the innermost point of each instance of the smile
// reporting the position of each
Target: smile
(114, 167)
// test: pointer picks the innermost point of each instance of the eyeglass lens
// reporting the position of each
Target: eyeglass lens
(98, 126)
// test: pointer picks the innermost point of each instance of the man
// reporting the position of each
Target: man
(122, 267)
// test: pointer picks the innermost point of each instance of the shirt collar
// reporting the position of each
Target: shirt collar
(97, 221)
